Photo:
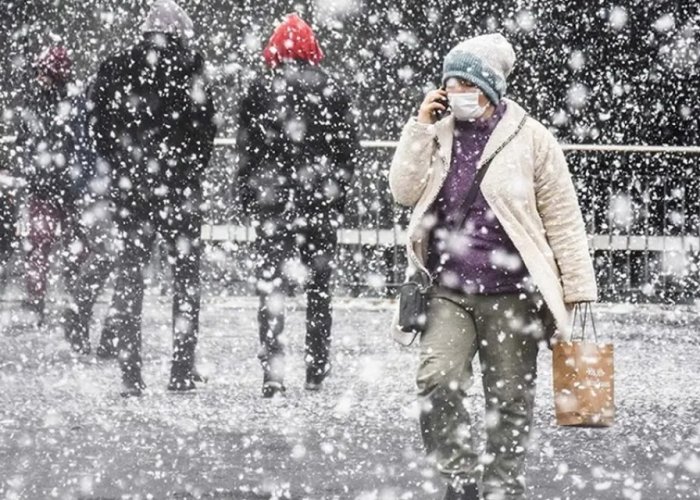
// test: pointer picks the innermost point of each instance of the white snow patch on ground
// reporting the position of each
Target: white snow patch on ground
(65, 432)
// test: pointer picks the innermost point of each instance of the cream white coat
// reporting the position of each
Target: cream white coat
(529, 188)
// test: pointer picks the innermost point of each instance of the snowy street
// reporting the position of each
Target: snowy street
(497, 167)
(66, 433)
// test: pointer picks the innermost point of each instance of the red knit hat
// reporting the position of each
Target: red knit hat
(293, 39)
(55, 63)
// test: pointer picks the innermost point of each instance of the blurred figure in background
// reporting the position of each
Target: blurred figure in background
(99, 235)
(51, 143)
(8, 222)
(154, 125)
(297, 142)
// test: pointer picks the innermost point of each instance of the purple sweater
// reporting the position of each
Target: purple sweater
(480, 258)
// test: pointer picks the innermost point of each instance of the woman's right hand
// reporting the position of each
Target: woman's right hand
(434, 101)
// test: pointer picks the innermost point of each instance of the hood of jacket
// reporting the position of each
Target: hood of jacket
(293, 40)
(166, 16)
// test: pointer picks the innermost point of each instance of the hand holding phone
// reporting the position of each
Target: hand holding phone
(442, 113)
(435, 106)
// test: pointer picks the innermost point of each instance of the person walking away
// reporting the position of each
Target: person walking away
(49, 143)
(504, 280)
(154, 125)
(297, 142)
(99, 254)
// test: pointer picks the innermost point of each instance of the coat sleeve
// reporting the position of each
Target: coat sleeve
(251, 147)
(101, 115)
(23, 149)
(82, 152)
(25, 167)
(202, 120)
(344, 145)
(561, 215)
(410, 168)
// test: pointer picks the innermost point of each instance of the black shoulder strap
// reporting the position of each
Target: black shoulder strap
(474, 189)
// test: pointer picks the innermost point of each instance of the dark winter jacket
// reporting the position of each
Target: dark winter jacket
(297, 142)
(153, 121)
(55, 154)
(84, 167)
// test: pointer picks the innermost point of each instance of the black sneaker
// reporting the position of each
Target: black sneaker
(132, 386)
(108, 346)
(106, 351)
(81, 346)
(184, 377)
(182, 384)
(272, 386)
(197, 377)
(37, 307)
(462, 491)
(315, 377)
(75, 332)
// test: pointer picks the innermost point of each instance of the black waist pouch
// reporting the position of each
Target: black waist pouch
(413, 303)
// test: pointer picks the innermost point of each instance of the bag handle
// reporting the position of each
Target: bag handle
(480, 173)
(587, 311)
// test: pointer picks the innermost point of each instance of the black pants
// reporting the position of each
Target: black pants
(279, 240)
(181, 234)
(102, 240)
(8, 232)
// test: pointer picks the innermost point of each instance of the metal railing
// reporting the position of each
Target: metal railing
(651, 246)
(649, 256)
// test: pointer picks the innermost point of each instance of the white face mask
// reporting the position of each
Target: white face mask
(465, 105)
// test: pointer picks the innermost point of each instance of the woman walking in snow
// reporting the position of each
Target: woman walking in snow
(506, 269)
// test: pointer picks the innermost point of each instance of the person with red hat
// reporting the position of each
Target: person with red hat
(297, 142)
(53, 160)
(293, 40)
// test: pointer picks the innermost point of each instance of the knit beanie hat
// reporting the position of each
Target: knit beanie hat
(293, 39)
(486, 61)
(166, 16)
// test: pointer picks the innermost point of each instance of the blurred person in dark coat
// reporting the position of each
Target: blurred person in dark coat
(297, 142)
(154, 125)
(99, 235)
(51, 160)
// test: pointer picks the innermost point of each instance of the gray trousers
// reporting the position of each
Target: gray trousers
(505, 331)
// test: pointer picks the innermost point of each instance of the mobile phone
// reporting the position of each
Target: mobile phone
(439, 114)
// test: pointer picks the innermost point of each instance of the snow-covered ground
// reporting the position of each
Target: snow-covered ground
(66, 433)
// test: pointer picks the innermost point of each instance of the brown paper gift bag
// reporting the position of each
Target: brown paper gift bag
(584, 377)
